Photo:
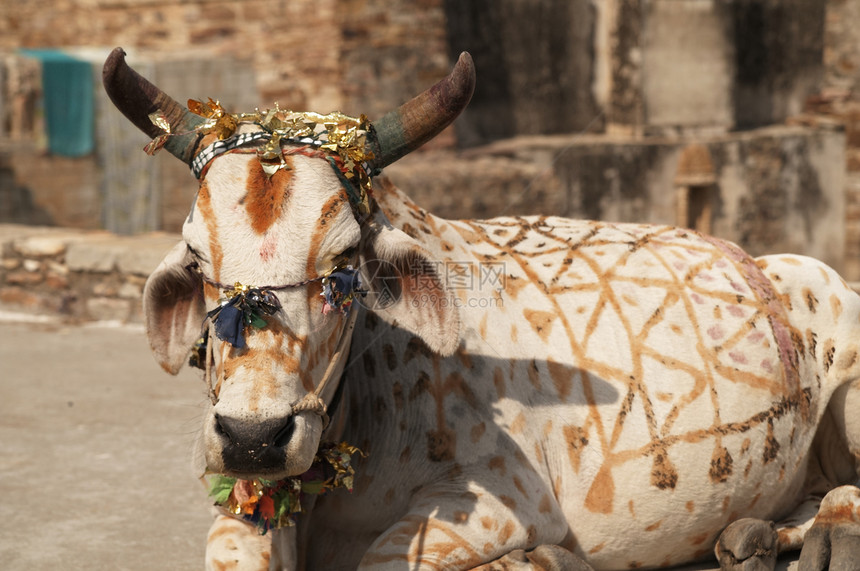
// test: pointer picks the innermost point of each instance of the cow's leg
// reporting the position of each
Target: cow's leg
(234, 544)
(541, 558)
(833, 541)
(470, 527)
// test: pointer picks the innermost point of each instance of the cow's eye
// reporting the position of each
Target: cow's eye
(345, 257)
(195, 254)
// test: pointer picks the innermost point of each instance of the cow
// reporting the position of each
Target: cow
(516, 393)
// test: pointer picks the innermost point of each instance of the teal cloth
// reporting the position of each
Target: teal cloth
(67, 87)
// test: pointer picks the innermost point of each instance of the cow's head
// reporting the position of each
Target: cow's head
(283, 226)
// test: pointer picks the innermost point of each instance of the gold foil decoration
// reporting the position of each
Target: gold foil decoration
(225, 126)
(220, 122)
(210, 110)
(159, 119)
(271, 156)
(339, 134)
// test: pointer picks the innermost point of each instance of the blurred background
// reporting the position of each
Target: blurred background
(740, 118)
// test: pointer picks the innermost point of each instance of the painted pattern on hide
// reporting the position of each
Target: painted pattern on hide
(678, 392)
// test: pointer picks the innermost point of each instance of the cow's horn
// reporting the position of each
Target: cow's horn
(422, 118)
(137, 98)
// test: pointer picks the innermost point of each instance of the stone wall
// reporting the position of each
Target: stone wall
(840, 98)
(358, 56)
(536, 62)
(690, 66)
(842, 46)
(76, 274)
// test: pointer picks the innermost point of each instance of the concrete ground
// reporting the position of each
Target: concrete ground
(95, 444)
(95, 448)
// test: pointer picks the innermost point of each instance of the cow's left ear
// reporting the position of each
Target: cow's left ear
(173, 309)
(405, 286)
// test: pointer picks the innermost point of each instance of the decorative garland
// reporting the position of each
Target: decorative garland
(341, 135)
(274, 504)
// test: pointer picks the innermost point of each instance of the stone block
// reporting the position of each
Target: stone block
(94, 255)
(142, 254)
(56, 268)
(687, 66)
(41, 246)
(23, 278)
(26, 299)
(56, 282)
(14, 235)
(105, 289)
(454, 186)
(130, 291)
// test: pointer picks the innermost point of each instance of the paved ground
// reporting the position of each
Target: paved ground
(95, 448)
(94, 453)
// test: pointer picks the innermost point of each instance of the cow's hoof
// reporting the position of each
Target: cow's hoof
(747, 545)
(833, 541)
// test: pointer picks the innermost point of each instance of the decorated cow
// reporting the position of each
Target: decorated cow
(391, 390)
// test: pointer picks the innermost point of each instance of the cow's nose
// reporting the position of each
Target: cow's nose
(254, 446)
(255, 433)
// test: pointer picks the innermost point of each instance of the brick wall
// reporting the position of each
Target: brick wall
(304, 52)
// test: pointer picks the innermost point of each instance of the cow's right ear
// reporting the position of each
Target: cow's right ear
(173, 309)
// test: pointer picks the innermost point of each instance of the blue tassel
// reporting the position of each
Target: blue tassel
(245, 308)
(346, 281)
(340, 287)
(230, 325)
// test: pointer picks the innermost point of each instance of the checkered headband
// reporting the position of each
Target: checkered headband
(236, 141)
